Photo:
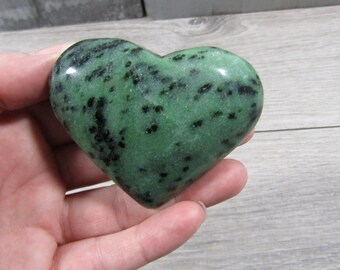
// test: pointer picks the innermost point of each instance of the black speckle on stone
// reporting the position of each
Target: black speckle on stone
(128, 98)
(90, 102)
(98, 137)
(178, 144)
(226, 142)
(59, 88)
(99, 55)
(216, 114)
(205, 88)
(57, 67)
(253, 105)
(135, 51)
(203, 51)
(125, 111)
(106, 161)
(178, 57)
(136, 79)
(83, 60)
(178, 179)
(219, 89)
(187, 158)
(128, 74)
(166, 79)
(111, 89)
(197, 123)
(185, 169)
(246, 90)
(92, 129)
(230, 93)
(172, 86)
(121, 145)
(194, 72)
(109, 45)
(241, 134)
(232, 116)
(142, 170)
(158, 109)
(253, 115)
(193, 57)
(111, 146)
(163, 174)
(163, 92)
(107, 78)
(115, 157)
(66, 98)
(101, 103)
(128, 64)
(126, 50)
(152, 128)
(154, 72)
(122, 131)
(196, 97)
(255, 82)
(145, 109)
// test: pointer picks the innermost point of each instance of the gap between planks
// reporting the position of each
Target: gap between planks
(296, 129)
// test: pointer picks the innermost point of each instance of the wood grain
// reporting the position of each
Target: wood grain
(164, 9)
(23, 14)
(288, 216)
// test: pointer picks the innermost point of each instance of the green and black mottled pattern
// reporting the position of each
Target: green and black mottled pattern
(154, 124)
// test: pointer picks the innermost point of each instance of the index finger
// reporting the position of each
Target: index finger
(24, 77)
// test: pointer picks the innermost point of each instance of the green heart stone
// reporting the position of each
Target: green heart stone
(154, 124)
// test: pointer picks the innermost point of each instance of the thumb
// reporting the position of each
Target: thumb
(24, 77)
(130, 249)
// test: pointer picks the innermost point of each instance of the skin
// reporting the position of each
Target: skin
(41, 227)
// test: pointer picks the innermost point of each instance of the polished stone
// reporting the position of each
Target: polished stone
(154, 124)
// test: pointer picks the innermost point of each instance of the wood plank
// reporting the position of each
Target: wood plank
(163, 9)
(22, 14)
(286, 218)
(296, 53)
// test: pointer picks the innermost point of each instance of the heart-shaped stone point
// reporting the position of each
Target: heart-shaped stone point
(154, 124)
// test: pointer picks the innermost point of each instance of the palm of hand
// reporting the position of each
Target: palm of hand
(41, 228)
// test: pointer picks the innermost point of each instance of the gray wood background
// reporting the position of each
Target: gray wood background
(288, 216)
(24, 14)
(165, 9)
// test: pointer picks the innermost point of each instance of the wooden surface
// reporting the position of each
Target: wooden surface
(24, 14)
(288, 216)
(165, 9)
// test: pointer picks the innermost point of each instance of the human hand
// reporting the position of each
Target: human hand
(40, 227)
